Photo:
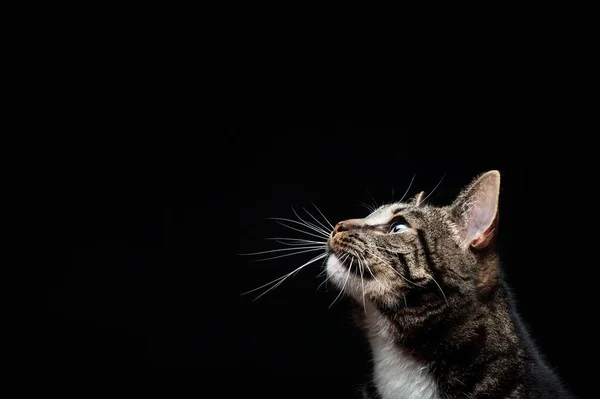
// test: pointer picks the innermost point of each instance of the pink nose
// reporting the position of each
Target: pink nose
(344, 225)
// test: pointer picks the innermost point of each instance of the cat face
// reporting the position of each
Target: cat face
(420, 252)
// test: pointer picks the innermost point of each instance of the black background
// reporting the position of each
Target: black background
(125, 208)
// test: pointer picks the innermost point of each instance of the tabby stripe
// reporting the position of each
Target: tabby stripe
(360, 240)
(398, 210)
(430, 263)
(414, 250)
(404, 264)
(425, 248)
(409, 275)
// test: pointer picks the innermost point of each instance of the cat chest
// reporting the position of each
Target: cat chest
(398, 376)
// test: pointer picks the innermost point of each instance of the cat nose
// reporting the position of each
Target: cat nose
(341, 226)
(344, 225)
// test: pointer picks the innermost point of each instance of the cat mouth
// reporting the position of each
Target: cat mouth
(342, 246)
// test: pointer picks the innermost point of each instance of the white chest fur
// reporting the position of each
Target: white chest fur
(397, 376)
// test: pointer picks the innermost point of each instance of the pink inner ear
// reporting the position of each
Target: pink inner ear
(478, 206)
(480, 219)
(481, 241)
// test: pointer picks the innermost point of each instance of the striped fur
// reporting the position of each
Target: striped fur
(433, 303)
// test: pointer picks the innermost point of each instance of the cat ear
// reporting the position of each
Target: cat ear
(416, 201)
(476, 210)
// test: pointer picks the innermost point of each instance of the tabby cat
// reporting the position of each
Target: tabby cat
(432, 301)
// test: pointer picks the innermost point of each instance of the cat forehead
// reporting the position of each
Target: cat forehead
(384, 213)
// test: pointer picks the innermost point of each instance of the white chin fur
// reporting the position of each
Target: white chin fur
(396, 374)
(336, 271)
(343, 279)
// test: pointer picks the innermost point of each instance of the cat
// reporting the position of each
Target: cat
(431, 299)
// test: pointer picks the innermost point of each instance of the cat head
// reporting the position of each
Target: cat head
(417, 253)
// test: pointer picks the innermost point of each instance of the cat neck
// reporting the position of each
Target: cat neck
(452, 353)
(395, 373)
(489, 323)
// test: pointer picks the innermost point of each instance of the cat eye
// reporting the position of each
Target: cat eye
(398, 227)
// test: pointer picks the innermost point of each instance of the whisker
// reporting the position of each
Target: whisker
(436, 186)
(295, 239)
(265, 285)
(375, 205)
(344, 258)
(280, 250)
(270, 282)
(404, 278)
(302, 231)
(318, 210)
(295, 242)
(324, 271)
(362, 282)
(290, 244)
(394, 270)
(310, 224)
(406, 192)
(329, 277)
(346, 281)
(317, 220)
(371, 272)
(292, 254)
(324, 282)
(282, 279)
(440, 288)
(369, 207)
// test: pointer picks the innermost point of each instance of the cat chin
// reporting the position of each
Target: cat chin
(342, 279)
(337, 272)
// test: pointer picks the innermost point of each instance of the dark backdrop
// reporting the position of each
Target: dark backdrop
(125, 208)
